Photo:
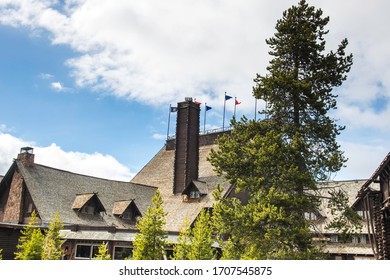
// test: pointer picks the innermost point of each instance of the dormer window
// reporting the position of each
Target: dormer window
(127, 210)
(312, 216)
(88, 204)
(195, 191)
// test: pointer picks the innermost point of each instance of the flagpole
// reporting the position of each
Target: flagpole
(169, 120)
(255, 108)
(235, 105)
(224, 106)
(204, 125)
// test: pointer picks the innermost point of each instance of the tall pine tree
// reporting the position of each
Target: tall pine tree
(279, 161)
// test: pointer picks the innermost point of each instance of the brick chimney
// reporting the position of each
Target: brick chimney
(186, 166)
(26, 156)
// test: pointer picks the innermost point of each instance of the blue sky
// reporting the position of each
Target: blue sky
(88, 83)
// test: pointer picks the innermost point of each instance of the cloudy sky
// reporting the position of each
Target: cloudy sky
(88, 83)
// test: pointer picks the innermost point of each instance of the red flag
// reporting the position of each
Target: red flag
(237, 102)
(197, 102)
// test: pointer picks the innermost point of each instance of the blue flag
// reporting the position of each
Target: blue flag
(173, 109)
(227, 97)
(208, 108)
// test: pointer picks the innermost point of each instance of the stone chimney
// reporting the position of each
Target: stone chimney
(186, 167)
(26, 156)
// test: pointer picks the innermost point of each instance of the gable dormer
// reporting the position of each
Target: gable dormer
(195, 191)
(88, 203)
(127, 210)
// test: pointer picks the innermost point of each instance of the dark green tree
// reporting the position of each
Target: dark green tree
(150, 243)
(260, 161)
(279, 161)
(298, 88)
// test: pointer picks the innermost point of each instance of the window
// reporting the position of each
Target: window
(86, 251)
(359, 239)
(310, 216)
(88, 209)
(334, 238)
(121, 253)
(363, 214)
(194, 194)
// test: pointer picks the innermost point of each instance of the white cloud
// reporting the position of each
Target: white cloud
(57, 86)
(159, 53)
(363, 159)
(46, 76)
(159, 136)
(96, 164)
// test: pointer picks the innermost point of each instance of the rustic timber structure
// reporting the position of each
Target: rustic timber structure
(375, 200)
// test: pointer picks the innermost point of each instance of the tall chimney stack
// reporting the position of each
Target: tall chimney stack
(186, 166)
(26, 156)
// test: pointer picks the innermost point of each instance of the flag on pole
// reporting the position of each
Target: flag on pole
(227, 97)
(206, 109)
(235, 104)
(171, 110)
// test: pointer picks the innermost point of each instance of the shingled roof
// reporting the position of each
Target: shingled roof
(159, 173)
(57, 190)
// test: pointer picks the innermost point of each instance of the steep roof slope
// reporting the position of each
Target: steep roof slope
(159, 173)
(56, 190)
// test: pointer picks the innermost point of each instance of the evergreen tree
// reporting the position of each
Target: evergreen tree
(150, 242)
(52, 243)
(182, 248)
(196, 243)
(102, 253)
(202, 238)
(31, 241)
(299, 88)
(260, 161)
(279, 161)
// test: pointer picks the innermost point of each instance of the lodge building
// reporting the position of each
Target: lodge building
(96, 210)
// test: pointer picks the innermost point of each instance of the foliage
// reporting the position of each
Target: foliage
(182, 248)
(202, 238)
(1, 255)
(260, 161)
(150, 242)
(31, 241)
(52, 242)
(345, 220)
(102, 253)
(196, 243)
(279, 161)
(298, 87)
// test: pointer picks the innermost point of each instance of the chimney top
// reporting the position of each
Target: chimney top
(28, 150)
(26, 156)
(188, 99)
